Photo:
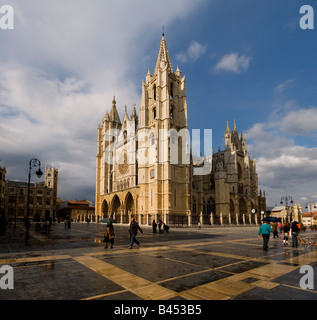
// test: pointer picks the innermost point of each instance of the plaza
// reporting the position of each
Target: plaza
(212, 263)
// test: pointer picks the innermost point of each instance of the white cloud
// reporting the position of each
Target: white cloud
(193, 52)
(283, 86)
(300, 121)
(233, 63)
(283, 165)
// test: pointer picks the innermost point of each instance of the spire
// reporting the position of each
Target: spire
(227, 129)
(114, 116)
(163, 56)
(133, 115)
(178, 72)
(125, 117)
(235, 126)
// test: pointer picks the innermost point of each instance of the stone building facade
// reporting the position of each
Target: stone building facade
(43, 197)
(144, 166)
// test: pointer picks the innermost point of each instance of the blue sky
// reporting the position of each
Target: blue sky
(243, 59)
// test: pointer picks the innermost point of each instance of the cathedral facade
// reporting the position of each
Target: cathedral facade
(145, 169)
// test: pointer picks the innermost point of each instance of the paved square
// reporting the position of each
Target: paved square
(225, 263)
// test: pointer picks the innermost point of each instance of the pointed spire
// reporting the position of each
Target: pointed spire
(125, 117)
(133, 115)
(148, 76)
(163, 56)
(114, 115)
(235, 125)
(227, 129)
(178, 73)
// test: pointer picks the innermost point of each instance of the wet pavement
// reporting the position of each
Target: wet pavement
(224, 263)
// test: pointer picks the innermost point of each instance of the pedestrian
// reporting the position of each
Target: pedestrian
(199, 225)
(160, 225)
(275, 230)
(295, 231)
(154, 225)
(265, 230)
(134, 227)
(286, 234)
(280, 227)
(109, 237)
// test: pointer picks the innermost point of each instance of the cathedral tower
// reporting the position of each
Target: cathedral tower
(164, 175)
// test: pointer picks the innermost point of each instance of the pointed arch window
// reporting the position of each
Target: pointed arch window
(171, 90)
(154, 92)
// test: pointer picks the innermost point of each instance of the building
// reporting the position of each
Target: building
(289, 213)
(80, 211)
(42, 202)
(309, 218)
(144, 166)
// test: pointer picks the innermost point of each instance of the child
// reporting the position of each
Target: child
(286, 234)
(285, 239)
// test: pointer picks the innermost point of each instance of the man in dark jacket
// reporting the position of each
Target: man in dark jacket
(295, 231)
(134, 227)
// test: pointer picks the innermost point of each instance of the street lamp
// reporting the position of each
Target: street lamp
(34, 163)
(286, 199)
(311, 207)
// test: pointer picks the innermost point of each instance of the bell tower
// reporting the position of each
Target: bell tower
(164, 175)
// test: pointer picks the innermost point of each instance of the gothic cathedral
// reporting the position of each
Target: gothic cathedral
(144, 167)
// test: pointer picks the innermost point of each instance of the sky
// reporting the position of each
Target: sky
(244, 60)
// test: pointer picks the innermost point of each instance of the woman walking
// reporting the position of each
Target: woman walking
(265, 230)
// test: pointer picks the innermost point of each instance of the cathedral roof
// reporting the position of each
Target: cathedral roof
(163, 56)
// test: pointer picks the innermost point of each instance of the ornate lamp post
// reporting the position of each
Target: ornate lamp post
(311, 206)
(285, 200)
(33, 164)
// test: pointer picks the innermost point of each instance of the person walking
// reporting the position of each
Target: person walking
(109, 237)
(295, 231)
(154, 225)
(280, 227)
(265, 230)
(134, 227)
(275, 230)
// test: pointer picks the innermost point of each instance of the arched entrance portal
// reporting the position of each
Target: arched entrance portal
(129, 208)
(116, 208)
(242, 209)
(105, 209)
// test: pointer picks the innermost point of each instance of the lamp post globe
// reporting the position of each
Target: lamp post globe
(34, 163)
